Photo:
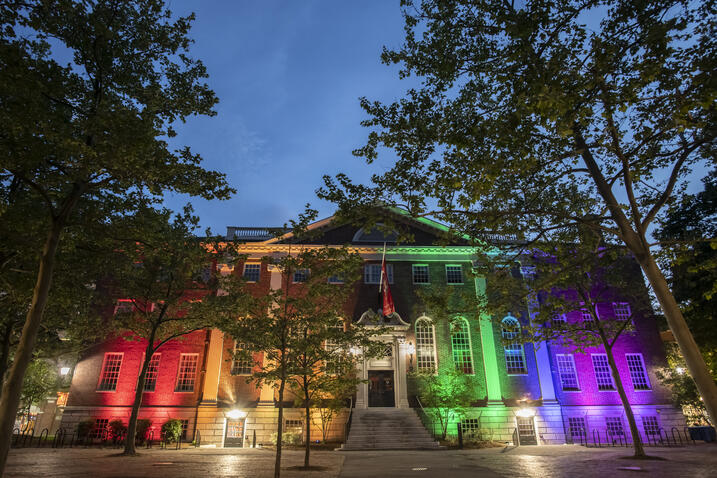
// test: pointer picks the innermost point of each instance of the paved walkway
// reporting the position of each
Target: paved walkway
(545, 461)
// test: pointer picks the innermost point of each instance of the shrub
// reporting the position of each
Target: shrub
(117, 428)
(84, 428)
(172, 429)
(288, 438)
(142, 429)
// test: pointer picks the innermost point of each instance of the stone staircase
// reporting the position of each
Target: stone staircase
(388, 429)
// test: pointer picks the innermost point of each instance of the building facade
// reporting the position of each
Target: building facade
(546, 393)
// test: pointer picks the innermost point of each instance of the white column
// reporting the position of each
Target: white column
(401, 389)
(362, 390)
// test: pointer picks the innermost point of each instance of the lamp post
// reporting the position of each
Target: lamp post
(410, 349)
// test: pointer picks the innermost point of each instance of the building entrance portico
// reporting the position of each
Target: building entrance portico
(381, 391)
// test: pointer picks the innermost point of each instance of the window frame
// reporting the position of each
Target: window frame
(643, 371)
(414, 267)
(609, 371)
(103, 370)
(234, 367)
(179, 373)
(258, 272)
(577, 423)
(304, 273)
(574, 370)
(433, 356)
(158, 355)
(513, 350)
(460, 267)
(652, 431)
(389, 273)
(465, 328)
(615, 421)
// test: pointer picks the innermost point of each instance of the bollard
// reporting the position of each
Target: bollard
(460, 435)
(253, 440)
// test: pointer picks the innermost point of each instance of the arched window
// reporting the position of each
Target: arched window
(425, 345)
(461, 345)
(514, 357)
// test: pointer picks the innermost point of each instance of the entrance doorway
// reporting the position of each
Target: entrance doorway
(234, 434)
(380, 388)
(526, 431)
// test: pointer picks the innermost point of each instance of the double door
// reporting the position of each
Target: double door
(381, 390)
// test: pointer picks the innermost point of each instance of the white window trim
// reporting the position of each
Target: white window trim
(243, 273)
(575, 370)
(179, 371)
(293, 276)
(102, 372)
(522, 348)
(462, 282)
(428, 274)
(644, 368)
(231, 366)
(159, 354)
(389, 273)
(435, 351)
(597, 385)
(470, 345)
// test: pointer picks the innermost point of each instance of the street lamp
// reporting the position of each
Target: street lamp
(410, 349)
(235, 414)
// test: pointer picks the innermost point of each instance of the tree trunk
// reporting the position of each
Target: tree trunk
(308, 430)
(279, 429)
(129, 448)
(636, 440)
(5, 354)
(12, 387)
(693, 358)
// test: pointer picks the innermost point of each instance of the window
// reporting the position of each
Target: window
(336, 279)
(558, 319)
(577, 428)
(187, 372)
(295, 426)
(333, 346)
(650, 425)
(185, 427)
(621, 310)
(372, 273)
(301, 275)
(614, 426)
(566, 369)
(514, 358)
(124, 306)
(252, 272)
(636, 366)
(454, 274)
(241, 366)
(425, 346)
(470, 427)
(420, 274)
(150, 379)
(110, 372)
(101, 428)
(603, 376)
(461, 346)
(586, 315)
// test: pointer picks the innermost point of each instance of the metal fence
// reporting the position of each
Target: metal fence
(598, 438)
(63, 438)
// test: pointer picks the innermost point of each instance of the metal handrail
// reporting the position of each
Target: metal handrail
(347, 425)
(424, 417)
(516, 437)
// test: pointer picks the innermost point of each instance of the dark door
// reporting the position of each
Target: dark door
(526, 430)
(234, 435)
(380, 389)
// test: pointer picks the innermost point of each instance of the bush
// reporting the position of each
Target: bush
(288, 438)
(84, 428)
(172, 429)
(117, 428)
(142, 429)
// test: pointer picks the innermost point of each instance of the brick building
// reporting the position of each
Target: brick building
(569, 394)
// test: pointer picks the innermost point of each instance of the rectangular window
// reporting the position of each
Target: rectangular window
(372, 273)
(603, 376)
(650, 425)
(241, 366)
(568, 375)
(559, 318)
(337, 279)
(515, 360)
(101, 428)
(614, 426)
(301, 275)
(586, 315)
(110, 372)
(185, 427)
(470, 427)
(150, 379)
(621, 310)
(124, 306)
(454, 274)
(295, 426)
(420, 274)
(577, 427)
(636, 366)
(252, 272)
(461, 346)
(187, 373)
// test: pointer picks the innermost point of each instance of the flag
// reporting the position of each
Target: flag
(388, 307)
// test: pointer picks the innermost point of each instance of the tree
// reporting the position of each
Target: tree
(290, 326)
(40, 381)
(331, 399)
(445, 395)
(168, 278)
(92, 136)
(570, 278)
(531, 118)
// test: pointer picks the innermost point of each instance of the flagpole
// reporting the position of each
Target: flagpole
(383, 259)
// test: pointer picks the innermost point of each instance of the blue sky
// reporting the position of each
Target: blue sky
(288, 75)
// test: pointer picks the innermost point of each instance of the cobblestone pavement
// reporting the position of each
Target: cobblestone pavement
(698, 461)
(203, 463)
(567, 461)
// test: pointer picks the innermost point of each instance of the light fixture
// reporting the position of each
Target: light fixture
(64, 370)
(235, 413)
(680, 370)
(526, 412)
(410, 349)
